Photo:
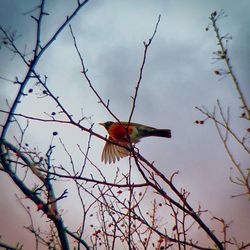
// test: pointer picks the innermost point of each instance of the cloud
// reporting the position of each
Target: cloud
(178, 75)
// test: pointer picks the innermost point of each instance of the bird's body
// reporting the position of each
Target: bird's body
(125, 133)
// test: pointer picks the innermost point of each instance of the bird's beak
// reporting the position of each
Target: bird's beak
(102, 124)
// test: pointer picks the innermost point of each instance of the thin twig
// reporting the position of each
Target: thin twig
(224, 55)
(146, 47)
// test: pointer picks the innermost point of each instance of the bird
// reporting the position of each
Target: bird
(126, 134)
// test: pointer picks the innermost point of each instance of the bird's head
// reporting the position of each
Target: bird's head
(106, 124)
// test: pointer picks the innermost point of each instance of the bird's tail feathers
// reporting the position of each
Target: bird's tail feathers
(161, 133)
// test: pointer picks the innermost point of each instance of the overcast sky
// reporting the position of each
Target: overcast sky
(178, 76)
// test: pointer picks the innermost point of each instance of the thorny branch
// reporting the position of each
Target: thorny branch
(223, 54)
(49, 210)
(221, 118)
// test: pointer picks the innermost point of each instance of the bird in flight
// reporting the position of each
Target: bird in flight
(125, 133)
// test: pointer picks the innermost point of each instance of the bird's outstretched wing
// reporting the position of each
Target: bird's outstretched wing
(112, 152)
